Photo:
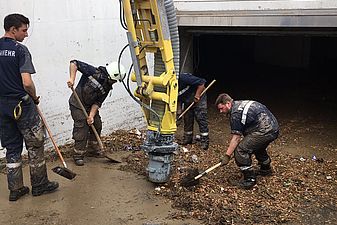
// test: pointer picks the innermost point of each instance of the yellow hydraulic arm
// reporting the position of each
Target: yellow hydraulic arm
(148, 32)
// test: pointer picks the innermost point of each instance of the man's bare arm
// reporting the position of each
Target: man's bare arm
(29, 86)
(93, 112)
(233, 143)
(198, 92)
(72, 72)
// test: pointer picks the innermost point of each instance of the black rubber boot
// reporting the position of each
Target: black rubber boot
(16, 194)
(188, 139)
(79, 160)
(15, 181)
(204, 141)
(265, 170)
(14, 176)
(79, 152)
(49, 187)
(249, 179)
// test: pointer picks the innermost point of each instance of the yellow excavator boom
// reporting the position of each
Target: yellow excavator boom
(150, 25)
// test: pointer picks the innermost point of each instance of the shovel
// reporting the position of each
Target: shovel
(62, 171)
(192, 104)
(193, 177)
(94, 129)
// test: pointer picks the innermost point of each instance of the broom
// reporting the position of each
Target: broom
(62, 171)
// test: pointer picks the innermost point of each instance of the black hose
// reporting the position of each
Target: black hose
(127, 88)
(121, 16)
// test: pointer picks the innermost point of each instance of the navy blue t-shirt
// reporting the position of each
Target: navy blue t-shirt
(15, 59)
(93, 87)
(188, 84)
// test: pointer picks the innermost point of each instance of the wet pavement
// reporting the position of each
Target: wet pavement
(100, 194)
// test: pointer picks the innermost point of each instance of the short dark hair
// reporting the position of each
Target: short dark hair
(223, 99)
(15, 20)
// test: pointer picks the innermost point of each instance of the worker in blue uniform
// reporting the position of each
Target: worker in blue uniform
(253, 128)
(92, 89)
(190, 89)
(19, 118)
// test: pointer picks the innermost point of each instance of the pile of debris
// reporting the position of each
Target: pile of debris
(301, 191)
(120, 140)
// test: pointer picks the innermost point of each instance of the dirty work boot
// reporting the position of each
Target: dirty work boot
(187, 139)
(94, 150)
(79, 160)
(16, 194)
(265, 170)
(49, 187)
(248, 181)
(15, 180)
(204, 141)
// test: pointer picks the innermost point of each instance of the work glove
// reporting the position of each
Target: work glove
(225, 160)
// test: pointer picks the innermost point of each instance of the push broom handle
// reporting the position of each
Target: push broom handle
(51, 137)
(207, 171)
(86, 115)
(203, 92)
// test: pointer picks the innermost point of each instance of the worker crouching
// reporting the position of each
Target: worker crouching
(253, 128)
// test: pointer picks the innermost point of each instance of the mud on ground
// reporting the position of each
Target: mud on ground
(301, 191)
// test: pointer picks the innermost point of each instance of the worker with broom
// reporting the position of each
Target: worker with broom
(253, 128)
(19, 118)
(91, 91)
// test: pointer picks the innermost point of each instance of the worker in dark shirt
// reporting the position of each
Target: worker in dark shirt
(253, 128)
(19, 118)
(190, 89)
(92, 89)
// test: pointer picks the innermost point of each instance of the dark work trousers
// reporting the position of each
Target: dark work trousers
(29, 128)
(255, 143)
(197, 112)
(82, 133)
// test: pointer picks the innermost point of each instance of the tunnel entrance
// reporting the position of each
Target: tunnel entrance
(295, 68)
(291, 71)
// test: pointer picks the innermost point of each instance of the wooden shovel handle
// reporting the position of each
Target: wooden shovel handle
(51, 136)
(86, 115)
(202, 93)
(207, 171)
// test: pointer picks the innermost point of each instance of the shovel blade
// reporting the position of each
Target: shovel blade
(103, 154)
(111, 159)
(64, 172)
(190, 180)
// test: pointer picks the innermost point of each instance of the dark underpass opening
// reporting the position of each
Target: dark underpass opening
(292, 73)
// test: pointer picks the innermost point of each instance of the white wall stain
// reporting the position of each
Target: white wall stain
(86, 30)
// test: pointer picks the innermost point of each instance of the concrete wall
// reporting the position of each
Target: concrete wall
(275, 13)
(62, 30)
